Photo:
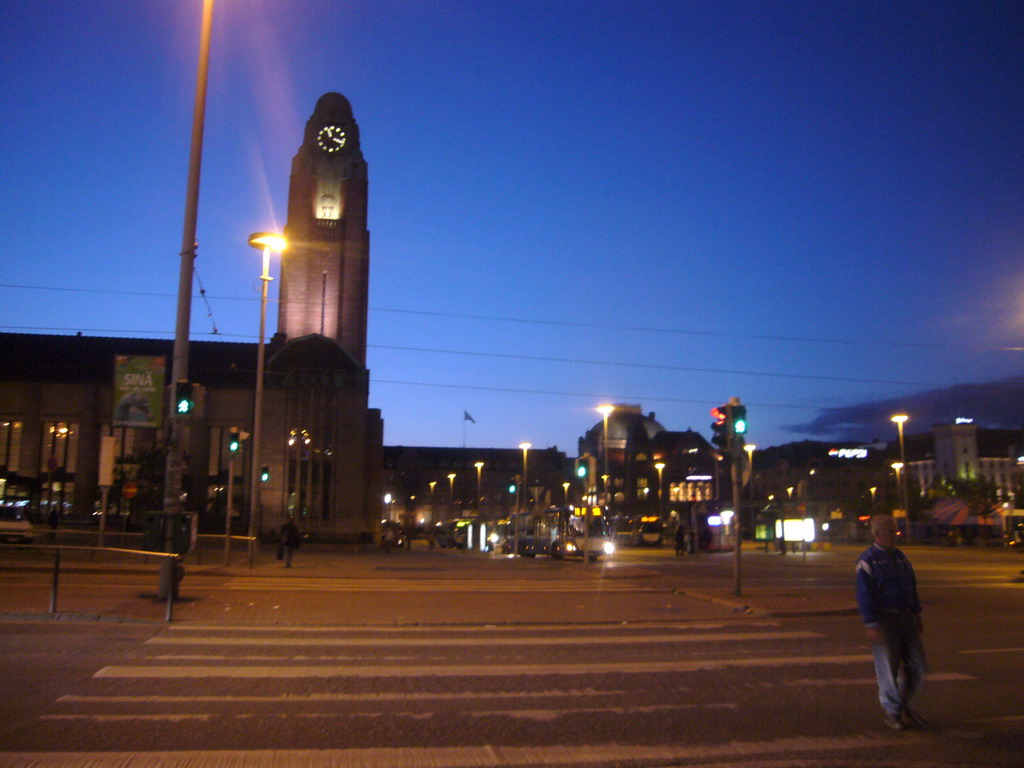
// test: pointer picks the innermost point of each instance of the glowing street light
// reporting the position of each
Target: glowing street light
(524, 501)
(605, 411)
(660, 466)
(266, 242)
(900, 419)
(479, 469)
(174, 466)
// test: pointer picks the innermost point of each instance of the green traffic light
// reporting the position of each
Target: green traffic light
(739, 426)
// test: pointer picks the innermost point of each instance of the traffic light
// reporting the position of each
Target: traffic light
(234, 442)
(183, 398)
(512, 487)
(739, 420)
(265, 473)
(581, 469)
(722, 426)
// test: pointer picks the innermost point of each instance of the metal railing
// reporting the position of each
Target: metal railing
(168, 562)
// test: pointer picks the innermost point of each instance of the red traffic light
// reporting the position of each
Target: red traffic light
(720, 414)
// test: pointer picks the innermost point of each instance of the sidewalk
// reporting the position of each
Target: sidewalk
(351, 586)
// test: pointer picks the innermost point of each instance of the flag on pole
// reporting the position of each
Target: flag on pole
(467, 417)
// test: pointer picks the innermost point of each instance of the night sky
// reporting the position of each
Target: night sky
(815, 206)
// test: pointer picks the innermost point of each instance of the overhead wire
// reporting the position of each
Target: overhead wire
(539, 358)
(575, 323)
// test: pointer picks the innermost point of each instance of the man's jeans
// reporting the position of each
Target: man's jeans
(900, 664)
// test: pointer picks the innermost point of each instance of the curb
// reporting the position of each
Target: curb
(742, 606)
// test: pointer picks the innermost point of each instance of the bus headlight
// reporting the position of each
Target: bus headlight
(570, 547)
(609, 548)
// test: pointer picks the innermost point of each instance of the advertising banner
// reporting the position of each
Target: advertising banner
(138, 391)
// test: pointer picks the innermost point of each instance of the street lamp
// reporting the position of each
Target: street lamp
(605, 411)
(524, 501)
(174, 466)
(266, 242)
(898, 466)
(451, 494)
(479, 469)
(521, 505)
(565, 494)
(900, 419)
(660, 466)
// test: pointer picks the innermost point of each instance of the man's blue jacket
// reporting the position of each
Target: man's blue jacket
(885, 583)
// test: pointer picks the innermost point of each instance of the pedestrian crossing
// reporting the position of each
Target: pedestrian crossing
(451, 697)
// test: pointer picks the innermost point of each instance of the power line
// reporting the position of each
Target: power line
(566, 360)
(654, 366)
(574, 323)
(595, 395)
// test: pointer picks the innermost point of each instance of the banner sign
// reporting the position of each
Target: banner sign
(138, 391)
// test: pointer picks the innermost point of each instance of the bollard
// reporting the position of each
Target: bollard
(56, 572)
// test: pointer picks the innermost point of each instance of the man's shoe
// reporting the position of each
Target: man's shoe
(913, 720)
(894, 722)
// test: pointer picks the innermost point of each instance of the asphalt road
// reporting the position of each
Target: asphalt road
(545, 672)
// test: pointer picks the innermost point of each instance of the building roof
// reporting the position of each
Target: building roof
(90, 359)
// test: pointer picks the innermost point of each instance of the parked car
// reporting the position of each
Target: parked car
(14, 525)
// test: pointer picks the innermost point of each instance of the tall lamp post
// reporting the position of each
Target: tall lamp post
(479, 470)
(451, 494)
(266, 242)
(660, 466)
(523, 484)
(174, 468)
(900, 419)
(898, 467)
(605, 411)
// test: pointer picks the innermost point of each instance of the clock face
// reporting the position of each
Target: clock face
(331, 138)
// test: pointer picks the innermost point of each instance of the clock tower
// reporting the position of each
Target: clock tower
(325, 271)
(322, 443)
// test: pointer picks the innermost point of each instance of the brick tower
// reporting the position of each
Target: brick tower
(325, 271)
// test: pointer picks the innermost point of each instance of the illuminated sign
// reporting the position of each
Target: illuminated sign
(699, 478)
(849, 453)
(962, 420)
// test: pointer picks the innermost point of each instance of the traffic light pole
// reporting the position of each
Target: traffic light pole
(736, 472)
(228, 509)
(174, 469)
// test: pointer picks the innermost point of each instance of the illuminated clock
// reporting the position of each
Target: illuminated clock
(331, 138)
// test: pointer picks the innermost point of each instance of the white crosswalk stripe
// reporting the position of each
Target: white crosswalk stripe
(454, 697)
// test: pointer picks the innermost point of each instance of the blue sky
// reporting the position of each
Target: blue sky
(814, 206)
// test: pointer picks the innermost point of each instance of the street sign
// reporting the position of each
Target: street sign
(130, 490)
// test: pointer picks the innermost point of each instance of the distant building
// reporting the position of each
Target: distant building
(429, 485)
(636, 443)
(963, 450)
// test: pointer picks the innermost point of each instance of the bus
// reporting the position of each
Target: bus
(559, 532)
(639, 530)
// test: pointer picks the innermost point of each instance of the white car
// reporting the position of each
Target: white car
(14, 525)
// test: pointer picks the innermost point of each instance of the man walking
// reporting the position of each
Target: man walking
(888, 602)
(290, 540)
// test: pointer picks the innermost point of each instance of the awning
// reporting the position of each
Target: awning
(956, 512)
